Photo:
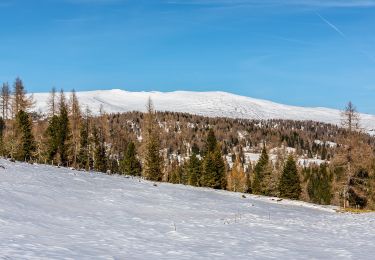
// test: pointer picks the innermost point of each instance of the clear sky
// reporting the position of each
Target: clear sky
(299, 52)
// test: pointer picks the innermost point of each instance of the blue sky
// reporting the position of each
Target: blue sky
(305, 52)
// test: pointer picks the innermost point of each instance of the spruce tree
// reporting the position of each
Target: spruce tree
(260, 172)
(130, 164)
(214, 172)
(58, 134)
(100, 158)
(194, 170)
(289, 186)
(319, 185)
(63, 131)
(153, 162)
(211, 142)
(25, 137)
(52, 135)
(83, 154)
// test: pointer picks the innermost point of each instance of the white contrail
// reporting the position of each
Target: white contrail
(334, 27)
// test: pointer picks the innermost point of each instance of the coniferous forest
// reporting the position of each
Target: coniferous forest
(310, 161)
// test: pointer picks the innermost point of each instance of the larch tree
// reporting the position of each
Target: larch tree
(237, 177)
(52, 104)
(350, 120)
(5, 96)
(20, 100)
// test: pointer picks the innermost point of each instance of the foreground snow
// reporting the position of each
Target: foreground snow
(211, 104)
(46, 212)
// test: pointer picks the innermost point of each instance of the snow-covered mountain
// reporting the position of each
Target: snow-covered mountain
(56, 213)
(212, 104)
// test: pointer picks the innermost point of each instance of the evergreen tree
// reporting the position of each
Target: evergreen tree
(25, 137)
(289, 186)
(260, 171)
(83, 155)
(194, 170)
(248, 186)
(319, 185)
(52, 135)
(58, 134)
(153, 162)
(213, 174)
(177, 174)
(2, 128)
(75, 123)
(211, 142)
(130, 164)
(100, 158)
(63, 130)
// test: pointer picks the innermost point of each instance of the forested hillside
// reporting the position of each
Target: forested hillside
(311, 161)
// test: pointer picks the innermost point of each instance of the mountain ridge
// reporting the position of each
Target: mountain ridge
(209, 103)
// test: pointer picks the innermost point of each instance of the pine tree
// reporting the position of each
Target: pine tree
(260, 171)
(130, 164)
(153, 162)
(194, 170)
(25, 137)
(289, 186)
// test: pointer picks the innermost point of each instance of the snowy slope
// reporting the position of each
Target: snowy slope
(212, 104)
(51, 213)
